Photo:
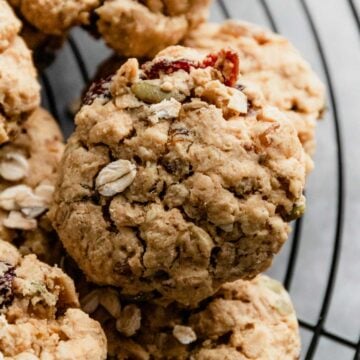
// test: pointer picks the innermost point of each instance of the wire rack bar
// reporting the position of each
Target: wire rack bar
(291, 265)
(293, 256)
(355, 13)
(224, 9)
(269, 15)
(50, 96)
(318, 330)
(79, 60)
(328, 334)
(340, 190)
(357, 354)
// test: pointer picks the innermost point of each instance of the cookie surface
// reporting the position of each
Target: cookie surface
(55, 17)
(144, 28)
(271, 63)
(19, 88)
(9, 25)
(174, 183)
(28, 166)
(244, 320)
(39, 315)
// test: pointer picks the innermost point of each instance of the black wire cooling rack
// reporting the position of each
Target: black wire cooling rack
(317, 329)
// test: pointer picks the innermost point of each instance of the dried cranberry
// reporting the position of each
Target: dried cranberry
(153, 70)
(226, 61)
(7, 274)
(97, 89)
(229, 65)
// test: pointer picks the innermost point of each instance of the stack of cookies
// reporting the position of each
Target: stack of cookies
(172, 196)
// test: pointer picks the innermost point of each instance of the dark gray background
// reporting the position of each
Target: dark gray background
(340, 37)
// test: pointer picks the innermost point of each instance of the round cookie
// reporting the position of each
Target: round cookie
(143, 28)
(39, 315)
(271, 63)
(175, 181)
(55, 17)
(244, 320)
(28, 168)
(9, 25)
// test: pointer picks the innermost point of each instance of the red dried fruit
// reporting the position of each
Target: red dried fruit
(97, 89)
(7, 274)
(226, 61)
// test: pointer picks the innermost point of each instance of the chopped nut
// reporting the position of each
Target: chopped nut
(130, 321)
(184, 334)
(10, 196)
(227, 228)
(166, 109)
(16, 220)
(90, 302)
(109, 299)
(115, 177)
(238, 102)
(14, 167)
(152, 93)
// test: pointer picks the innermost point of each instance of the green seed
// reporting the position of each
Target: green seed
(152, 93)
(296, 212)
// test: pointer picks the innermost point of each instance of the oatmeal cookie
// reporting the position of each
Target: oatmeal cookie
(177, 181)
(271, 63)
(9, 25)
(39, 315)
(55, 17)
(244, 320)
(143, 28)
(28, 166)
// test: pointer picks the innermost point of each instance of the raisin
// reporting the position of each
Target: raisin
(7, 274)
(99, 88)
(152, 71)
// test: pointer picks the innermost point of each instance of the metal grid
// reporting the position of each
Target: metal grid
(317, 328)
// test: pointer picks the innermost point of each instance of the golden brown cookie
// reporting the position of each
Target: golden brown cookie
(272, 64)
(19, 88)
(9, 25)
(143, 28)
(55, 17)
(244, 320)
(39, 315)
(177, 181)
(28, 167)
(130, 27)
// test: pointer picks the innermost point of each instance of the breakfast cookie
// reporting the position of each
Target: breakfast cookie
(143, 28)
(176, 180)
(28, 166)
(19, 88)
(9, 25)
(244, 320)
(39, 315)
(271, 63)
(55, 17)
